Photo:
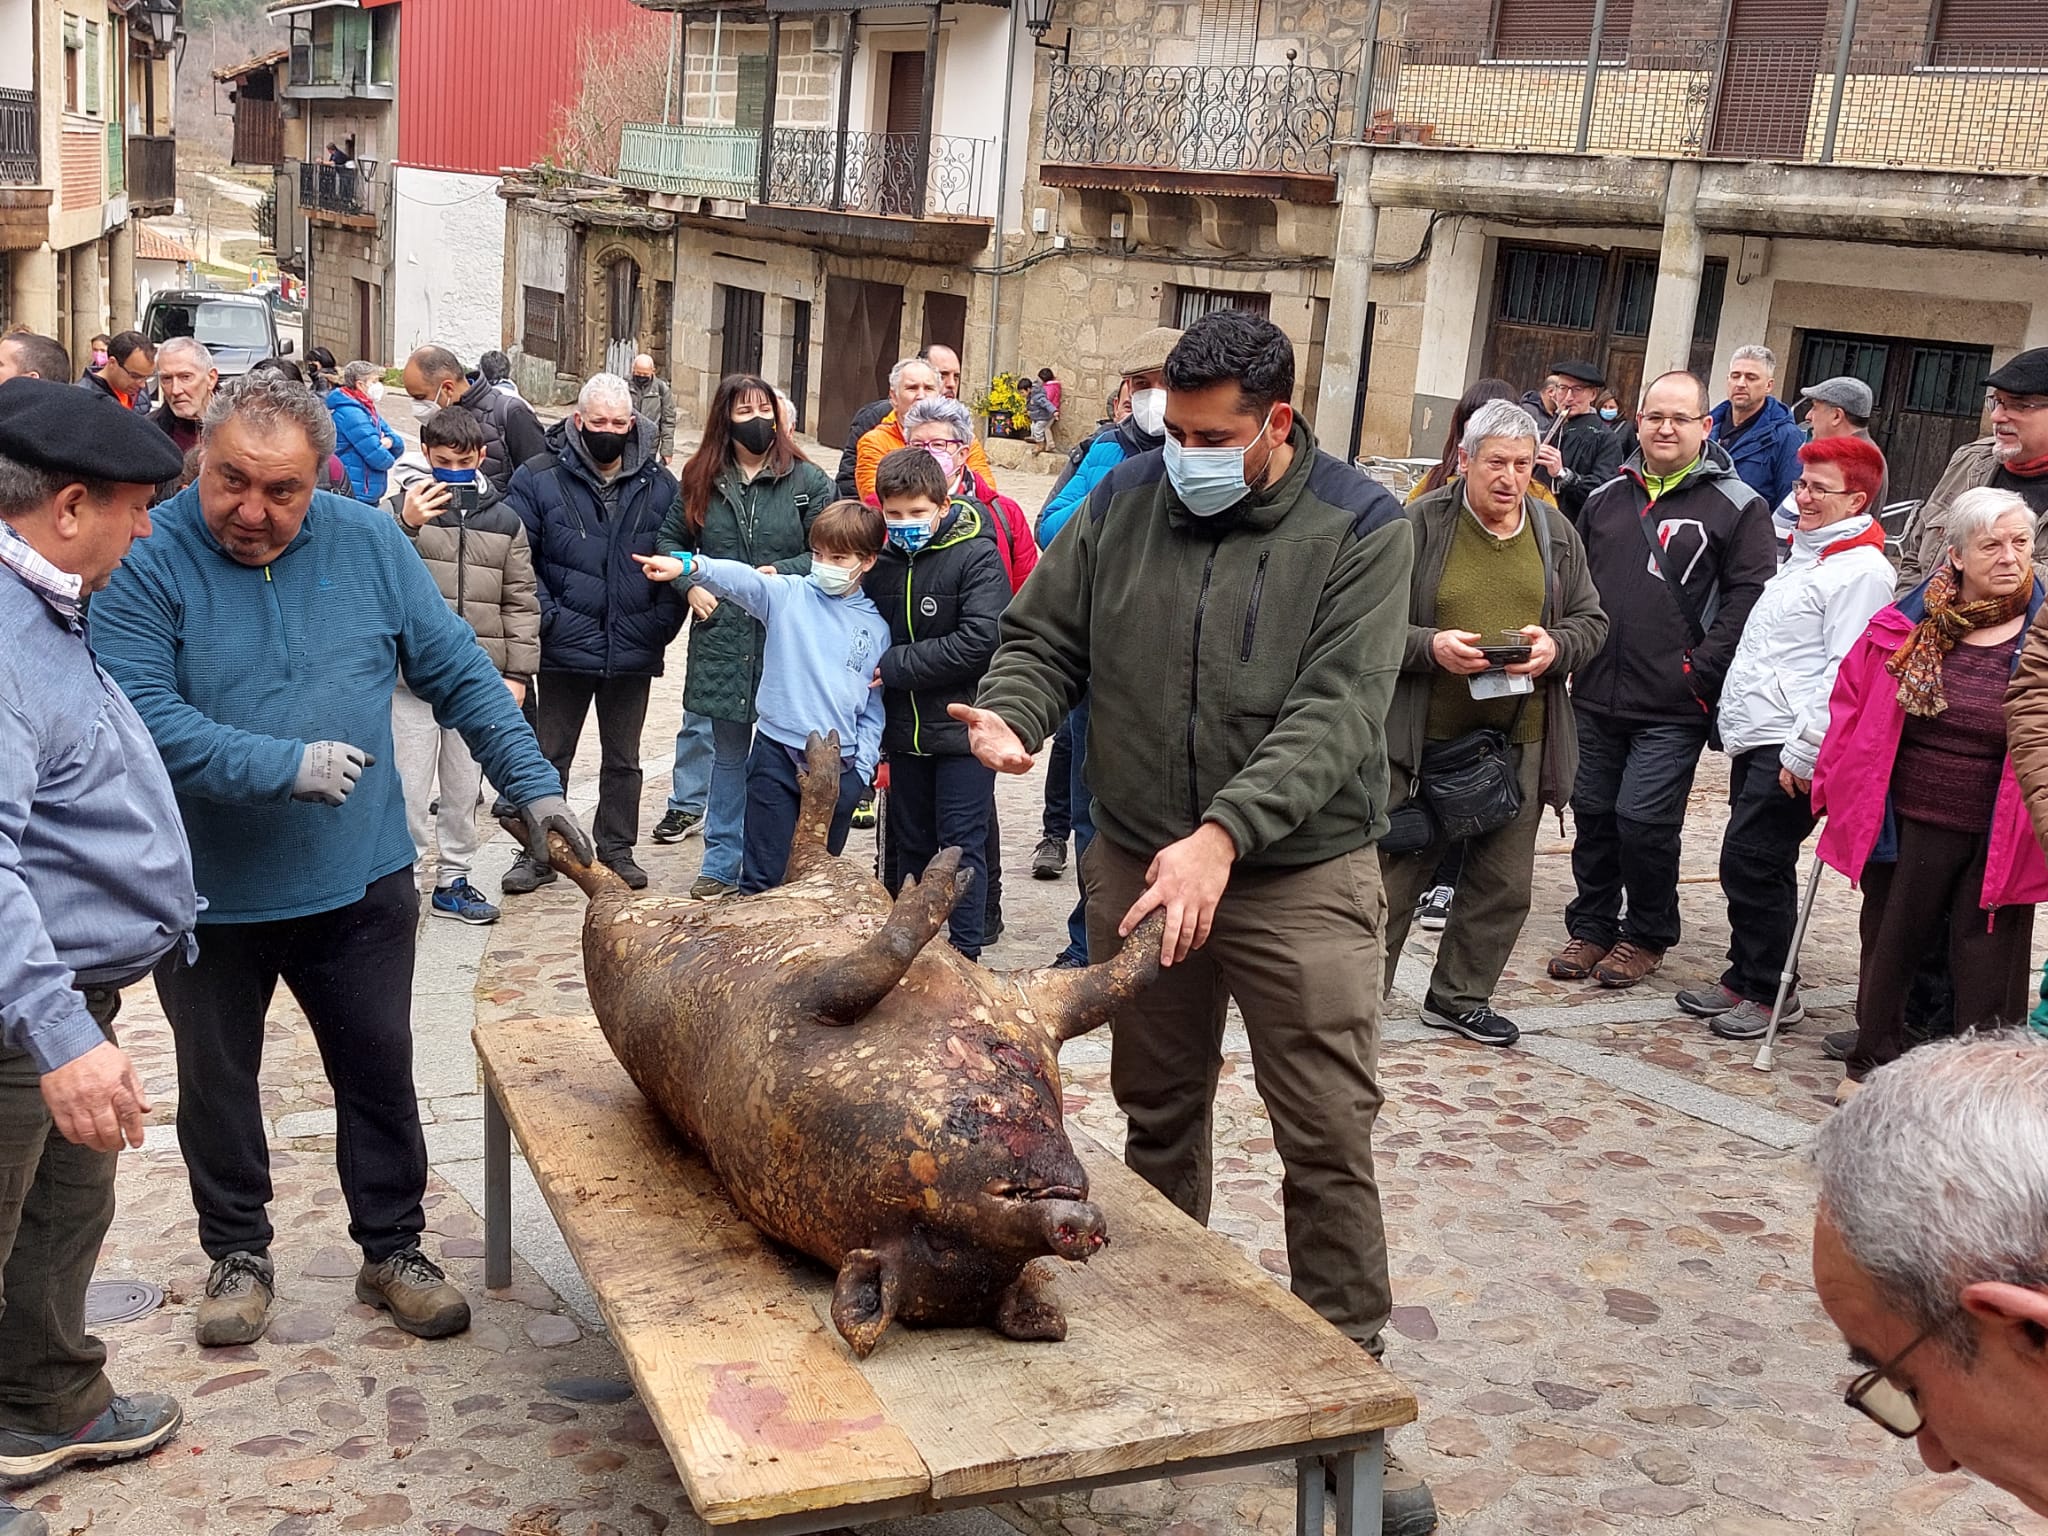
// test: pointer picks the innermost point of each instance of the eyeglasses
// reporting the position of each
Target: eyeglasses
(1999, 400)
(1658, 419)
(1818, 490)
(1883, 1401)
(950, 444)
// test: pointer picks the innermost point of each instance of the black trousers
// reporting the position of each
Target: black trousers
(351, 971)
(774, 800)
(992, 860)
(565, 700)
(1058, 824)
(1760, 873)
(944, 802)
(1628, 805)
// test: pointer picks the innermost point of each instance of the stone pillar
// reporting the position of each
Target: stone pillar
(1350, 301)
(32, 296)
(1680, 261)
(88, 301)
(121, 278)
(777, 325)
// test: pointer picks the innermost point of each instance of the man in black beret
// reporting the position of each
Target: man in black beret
(1585, 454)
(95, 887)
(2013, 458)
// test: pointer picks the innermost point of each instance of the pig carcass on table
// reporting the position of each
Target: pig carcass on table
(866, 1095)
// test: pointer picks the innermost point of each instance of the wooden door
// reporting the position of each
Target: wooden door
(742, 350)
(865, 322)
(800, 361)
(945, 321)
(622, 315)
(365, 317)
(1769, 59)
(902, 126)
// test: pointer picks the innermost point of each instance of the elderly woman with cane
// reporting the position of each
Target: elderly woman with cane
(1917, 785)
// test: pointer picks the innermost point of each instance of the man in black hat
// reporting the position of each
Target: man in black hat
(95, 887)
(2013, 458)
(1585, 454)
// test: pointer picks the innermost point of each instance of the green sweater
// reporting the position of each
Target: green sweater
(1239, 667)
(1489, 585)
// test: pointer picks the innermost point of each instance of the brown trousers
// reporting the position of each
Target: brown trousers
(1299, 951)
(56, 1203)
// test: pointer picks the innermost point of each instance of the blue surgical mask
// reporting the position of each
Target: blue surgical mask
(1608, 413)
(455, 476)
(908, 537)
(833, 580)
(1210, 480)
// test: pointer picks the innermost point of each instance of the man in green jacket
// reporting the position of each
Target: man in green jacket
(1247, 597)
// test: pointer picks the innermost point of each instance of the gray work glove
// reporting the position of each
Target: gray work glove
(551, 813)
(328, 771)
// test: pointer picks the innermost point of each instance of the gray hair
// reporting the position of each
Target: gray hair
(1497, 418)
(937, 408)
(1756, 353)
(267, 401)
(1972, 514)
(896, 373)
(604, 389)
(353, 374)
(26, 488)
(1935, 1176)
(185, 346)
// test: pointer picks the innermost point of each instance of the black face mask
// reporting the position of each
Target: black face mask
(756, 434)
(606, 447)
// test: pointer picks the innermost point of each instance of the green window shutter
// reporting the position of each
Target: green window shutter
(751, 98)
(89, 67)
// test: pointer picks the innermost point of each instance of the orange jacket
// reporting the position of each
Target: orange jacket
(885, 440)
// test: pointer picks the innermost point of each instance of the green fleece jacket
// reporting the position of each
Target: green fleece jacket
(1239, 666)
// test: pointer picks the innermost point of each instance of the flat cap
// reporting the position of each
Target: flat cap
(2023, 374)
(74, 431)
(1148, 353)
(1851, 394)
(1579, 369)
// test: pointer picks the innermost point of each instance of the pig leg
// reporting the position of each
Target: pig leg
(864, 1300)
(1071, 1003)
(1027, 1309)
(843, 988)
(817, 798)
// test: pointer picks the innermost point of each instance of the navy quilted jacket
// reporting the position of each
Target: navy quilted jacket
(598, 614)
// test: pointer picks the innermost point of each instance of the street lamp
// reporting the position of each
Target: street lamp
(161, 17)
(1038, 22)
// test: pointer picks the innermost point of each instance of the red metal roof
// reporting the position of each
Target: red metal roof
(481, 83)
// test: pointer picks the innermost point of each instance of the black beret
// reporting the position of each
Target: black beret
(81, 432)
(2024, 374)
(1579, 369)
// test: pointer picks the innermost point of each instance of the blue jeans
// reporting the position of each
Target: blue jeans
(944, 802)
(690, 783)
(774, 799)
(1084, 828)
(725, 808)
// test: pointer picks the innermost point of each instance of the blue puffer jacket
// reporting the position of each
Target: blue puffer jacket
(1766, 451)
(359, 444)
(599, 614)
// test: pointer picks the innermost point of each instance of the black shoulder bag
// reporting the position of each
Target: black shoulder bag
(1695, 626)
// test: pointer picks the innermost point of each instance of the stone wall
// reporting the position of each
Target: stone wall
(804, 86)
(336, 260)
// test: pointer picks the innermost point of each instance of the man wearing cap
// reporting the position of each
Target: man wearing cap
(1757, 428)
(260, 632)
(1586, 453)
(95, 887)
(2013, 458)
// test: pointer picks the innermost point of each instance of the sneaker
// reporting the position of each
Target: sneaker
(677, 825)
(1709, 1002)
(1067, 960)
(1049, 862)
(526, 874)
(622, 865)
(1838, 1044)
(1749, 1020)
(463, 902)
(15, 1521)
(864, 813)
(1481, 1024)
(711, 888)
(1434, 910)
(1407, 1507)
(1576, 960)
(412, 1288)
(1626, 964)
(239, 1289)
(131, 1426)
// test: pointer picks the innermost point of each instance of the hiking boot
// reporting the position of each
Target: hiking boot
(526, 874)
(622, 865)
(130, 1426)
(1407, 1507)
(1838, 1044)
(239, 1289)
(1576, 960)
(411, 1287)
(464, 903)
(1049, 862)
(1708, 1002)
(1434, 910)
(677, 825)
(711, 888)
(1481, 1024)
(1749, 1020)
(15, 1521)
(1626, 964)
(864, 813)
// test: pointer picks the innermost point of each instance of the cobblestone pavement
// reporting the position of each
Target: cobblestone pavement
(1599, 1251)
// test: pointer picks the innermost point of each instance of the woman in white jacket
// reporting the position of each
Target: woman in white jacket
(1774, 716)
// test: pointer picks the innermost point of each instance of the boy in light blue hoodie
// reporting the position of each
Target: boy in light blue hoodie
(825, 639)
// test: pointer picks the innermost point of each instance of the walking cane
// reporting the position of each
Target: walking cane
(1764, 1060)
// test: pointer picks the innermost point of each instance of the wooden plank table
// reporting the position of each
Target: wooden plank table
(1180, 1355)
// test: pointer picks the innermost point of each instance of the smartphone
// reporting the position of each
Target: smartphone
(1506, 655)
(466, 500)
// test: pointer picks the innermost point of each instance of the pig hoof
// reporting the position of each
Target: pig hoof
(1027, 1309)
(863, 1300)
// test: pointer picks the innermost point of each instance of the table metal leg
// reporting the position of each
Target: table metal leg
(497, 1194)
(1360, 1476)
(1308, 1497)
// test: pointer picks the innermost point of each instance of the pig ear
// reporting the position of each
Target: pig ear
(1073, 1002)
(842, 988)
(864, 1300)
(817, 798)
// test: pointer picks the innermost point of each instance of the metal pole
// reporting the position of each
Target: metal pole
(921, 151)
(846, 48)
(1592, 75)
(995, 283)
(1765, 1056)
(668, 90)
(1368, 73)
(1827, 143)
(773, 72)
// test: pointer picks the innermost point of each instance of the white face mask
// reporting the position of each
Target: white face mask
(375, 391)
(1148, 410)
(424, 409)
(834, 580)
(1211, 480)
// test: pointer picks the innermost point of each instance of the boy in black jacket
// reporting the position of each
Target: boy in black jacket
(941, 586)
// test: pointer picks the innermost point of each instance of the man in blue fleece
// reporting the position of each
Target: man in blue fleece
(259, 633)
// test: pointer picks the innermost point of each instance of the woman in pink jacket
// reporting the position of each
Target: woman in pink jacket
(1917, 786)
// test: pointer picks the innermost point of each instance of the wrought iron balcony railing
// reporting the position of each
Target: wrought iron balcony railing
(691, 162)
(878, 173)
(340, 189)
(1281, 119)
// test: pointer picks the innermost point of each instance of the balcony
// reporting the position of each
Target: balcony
(1968, 108)
(340, 195)
(691, 162)
(1237, 131)
(889, 175)
(21, 140)
(152, 173)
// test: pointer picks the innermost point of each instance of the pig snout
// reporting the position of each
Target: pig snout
(1073, 1229)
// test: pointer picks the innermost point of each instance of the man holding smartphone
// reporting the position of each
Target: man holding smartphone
(1500, 610)
(475, 546)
